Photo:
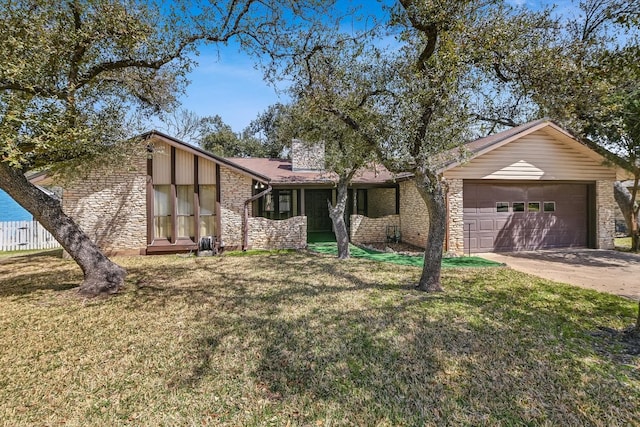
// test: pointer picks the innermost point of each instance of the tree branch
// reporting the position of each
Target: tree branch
(429, 30)
(504, 121)
(33, 90)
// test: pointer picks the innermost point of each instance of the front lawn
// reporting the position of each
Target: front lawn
(303, 339)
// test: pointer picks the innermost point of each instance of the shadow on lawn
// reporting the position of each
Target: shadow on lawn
(42, 271)
(356, 339)
(475, 354)
(409, 369)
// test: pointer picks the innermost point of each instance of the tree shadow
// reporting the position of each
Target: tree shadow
(353, 336)
(535, 231)
(586, 257)
(412, 361)
(43, 271)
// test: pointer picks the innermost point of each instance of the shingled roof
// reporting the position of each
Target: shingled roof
(279, 171)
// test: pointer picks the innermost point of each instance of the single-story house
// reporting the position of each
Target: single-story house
(530, 187)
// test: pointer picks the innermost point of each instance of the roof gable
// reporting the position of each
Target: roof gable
(174, 142)
(536, 151)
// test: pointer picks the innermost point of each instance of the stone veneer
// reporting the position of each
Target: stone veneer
(307, 157)
(289, 233)
(110, 207)
(455, 236)
(605, 214)
(414, 219)
(371, 230)
(381, 202)
(235, 188)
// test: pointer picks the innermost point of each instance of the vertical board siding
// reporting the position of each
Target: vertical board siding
(206, 172)
(25, 235)
(161, 163)
(184, 168)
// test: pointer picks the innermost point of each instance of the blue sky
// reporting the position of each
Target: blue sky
(226, 82)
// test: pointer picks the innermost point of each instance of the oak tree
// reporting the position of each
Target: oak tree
(333, 83)
(76, 73)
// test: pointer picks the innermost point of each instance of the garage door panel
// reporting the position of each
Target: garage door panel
(470, 226)
(489, 230)
(501, 222)
(471, 243)
(487, 225)
(490, 209)
(486, 243)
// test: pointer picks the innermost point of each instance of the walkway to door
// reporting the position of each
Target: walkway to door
(320, 237)
(614, 272)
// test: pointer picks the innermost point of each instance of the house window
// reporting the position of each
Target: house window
(502, 206)
(518, 206)
(533, 207)
(284, 203)
(549, 206)
(267, 204)
(185, 217)
(278, 204)
(162, 212)
(207, 195)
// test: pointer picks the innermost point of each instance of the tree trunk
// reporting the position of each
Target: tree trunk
(101, 276)
(336, 213)
(635, 232)
(433, 193)
(626, 202)
(623, 199)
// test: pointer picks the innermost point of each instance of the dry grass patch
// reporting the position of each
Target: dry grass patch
(299, 339)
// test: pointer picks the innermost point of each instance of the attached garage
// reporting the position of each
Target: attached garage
(531, 187)
(526, 216)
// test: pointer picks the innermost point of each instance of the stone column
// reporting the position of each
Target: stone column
(234, 190)
(605, 215)
(456, 219)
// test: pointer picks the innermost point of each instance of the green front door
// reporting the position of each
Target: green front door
(317, 211)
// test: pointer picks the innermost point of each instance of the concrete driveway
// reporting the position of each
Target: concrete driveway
(606, 271)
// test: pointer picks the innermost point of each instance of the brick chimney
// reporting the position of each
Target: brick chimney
(306, 157)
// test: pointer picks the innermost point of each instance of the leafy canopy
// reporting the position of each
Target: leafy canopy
(80, 75)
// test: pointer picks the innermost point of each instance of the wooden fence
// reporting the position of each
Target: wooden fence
(24, 235)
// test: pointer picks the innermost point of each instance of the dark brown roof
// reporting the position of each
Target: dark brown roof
(279, 172)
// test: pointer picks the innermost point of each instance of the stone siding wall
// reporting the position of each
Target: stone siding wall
(381, 201)
(110, 207)
(414, 219)
(234, 190)
(371, 230)
(605, 213)
(456, 216)
(307, 157)
(278, 234)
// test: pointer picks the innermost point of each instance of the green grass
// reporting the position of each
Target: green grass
(623, 243)
(10, 254)
(251, 252)
(401, 259)
(304, 339)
